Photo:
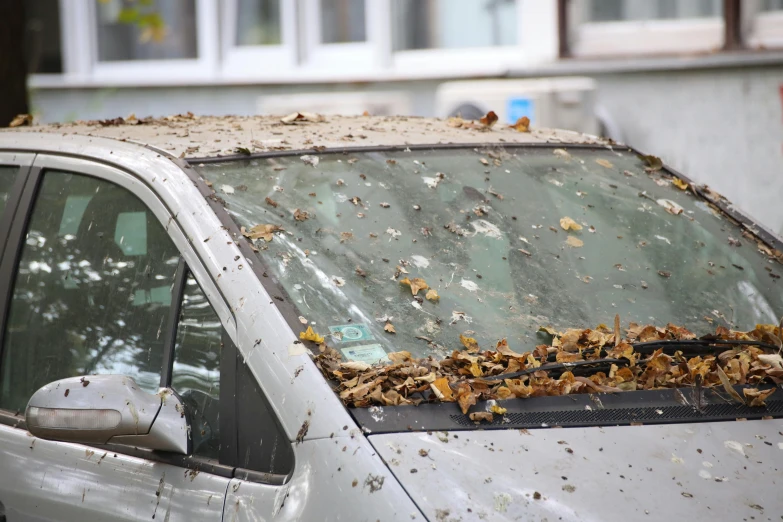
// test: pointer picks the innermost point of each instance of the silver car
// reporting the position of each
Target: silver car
(368, 318)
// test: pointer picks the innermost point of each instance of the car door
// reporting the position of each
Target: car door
(92, 283)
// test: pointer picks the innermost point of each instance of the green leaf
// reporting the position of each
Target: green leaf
(128, 15)
(153, 20)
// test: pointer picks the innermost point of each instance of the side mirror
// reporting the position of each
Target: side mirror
(101, 409)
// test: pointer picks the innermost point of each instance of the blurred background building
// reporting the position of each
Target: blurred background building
(698, 82)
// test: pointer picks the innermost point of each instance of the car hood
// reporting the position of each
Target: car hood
(727, 470)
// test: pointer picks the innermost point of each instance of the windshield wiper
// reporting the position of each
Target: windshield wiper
(555, 366)
(650, 346)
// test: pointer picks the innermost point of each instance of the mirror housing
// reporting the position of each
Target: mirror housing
(108, 409)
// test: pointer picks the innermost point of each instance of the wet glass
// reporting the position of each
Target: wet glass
(196, 372)
(7, 177)
(92, 291)
(483, 229)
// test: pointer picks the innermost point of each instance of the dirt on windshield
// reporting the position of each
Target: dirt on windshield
(596, 360)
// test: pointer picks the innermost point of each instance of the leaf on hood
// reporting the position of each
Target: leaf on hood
(301, 215)
(469, 343)
(604, 163)
(301, 117)
(432, 295)
(522, 124)
(653, 163)
(489, 119)
(680, 184)
(416, 285)
(569, 224)
(310, 335)
(574, 242)
(389, 328)
(755, 398)
(670, 206)
(265, 232)
(481, 416)
(442, 390)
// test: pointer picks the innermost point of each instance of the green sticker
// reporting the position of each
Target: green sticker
(350, 333)
(369, 353)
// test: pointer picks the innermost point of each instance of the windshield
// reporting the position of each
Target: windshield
(388, 251)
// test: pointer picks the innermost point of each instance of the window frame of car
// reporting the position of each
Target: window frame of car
(14, 223)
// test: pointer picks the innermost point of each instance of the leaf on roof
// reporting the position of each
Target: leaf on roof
(680, 184)
(301, 117)
(489, 119)
(21, 120)
(653, 163)
(432, 295)
(522, 124)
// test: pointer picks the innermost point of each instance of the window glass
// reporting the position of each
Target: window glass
(82, 303)
(449, 24)
(343, 21)
(258, 22)
(7, 178)
(152, 30)
(43, 36)
(196, 372)
(771, 5)
(626, 10)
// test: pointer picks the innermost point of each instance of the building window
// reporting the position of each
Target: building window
(451, 24)
(44, 55)
(606, 28)
(343, 21)
(258, 22)
(763, 23)
(157, 30)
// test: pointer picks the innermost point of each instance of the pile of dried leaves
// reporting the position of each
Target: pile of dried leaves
(576, 361)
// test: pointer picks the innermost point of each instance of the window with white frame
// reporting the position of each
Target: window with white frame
(604, 28)
(763, 23)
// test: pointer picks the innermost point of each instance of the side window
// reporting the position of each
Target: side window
(7, 178)
(233, 413)
(92, 290)
(196, 371)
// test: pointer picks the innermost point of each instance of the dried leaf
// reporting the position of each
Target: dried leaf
(574, 242)
(357, 366)
(727, 386)
(498, 409)
(432, 295)
(442, 390)
(416, 285)
(522, 124)
(502, 348)
(469, 343)
(755, 398)
(489, 119)
(301, 215)
(265, 232)
(569, 224)
(605, 163)
(301, 117)
(271, 202)
(389, 328)
(680, 184)
(481, 416)
(310, 335)
(21, 120)
(653, 163)
(399, 357)
(465, 397)
(670, 206)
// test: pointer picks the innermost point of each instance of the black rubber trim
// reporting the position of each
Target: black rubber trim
(12, 204)
(664, 406)
(228, 417)
(13, 249)
(398, 148)
(170, 340)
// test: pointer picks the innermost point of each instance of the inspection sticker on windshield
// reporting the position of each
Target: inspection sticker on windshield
(369, 353)
(350, 333)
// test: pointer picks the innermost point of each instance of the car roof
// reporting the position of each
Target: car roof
(190, 136)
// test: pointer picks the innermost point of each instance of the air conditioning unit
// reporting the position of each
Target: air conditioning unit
(563, 103)
(386, 103)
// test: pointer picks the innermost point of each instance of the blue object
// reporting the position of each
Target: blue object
(518, 107)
